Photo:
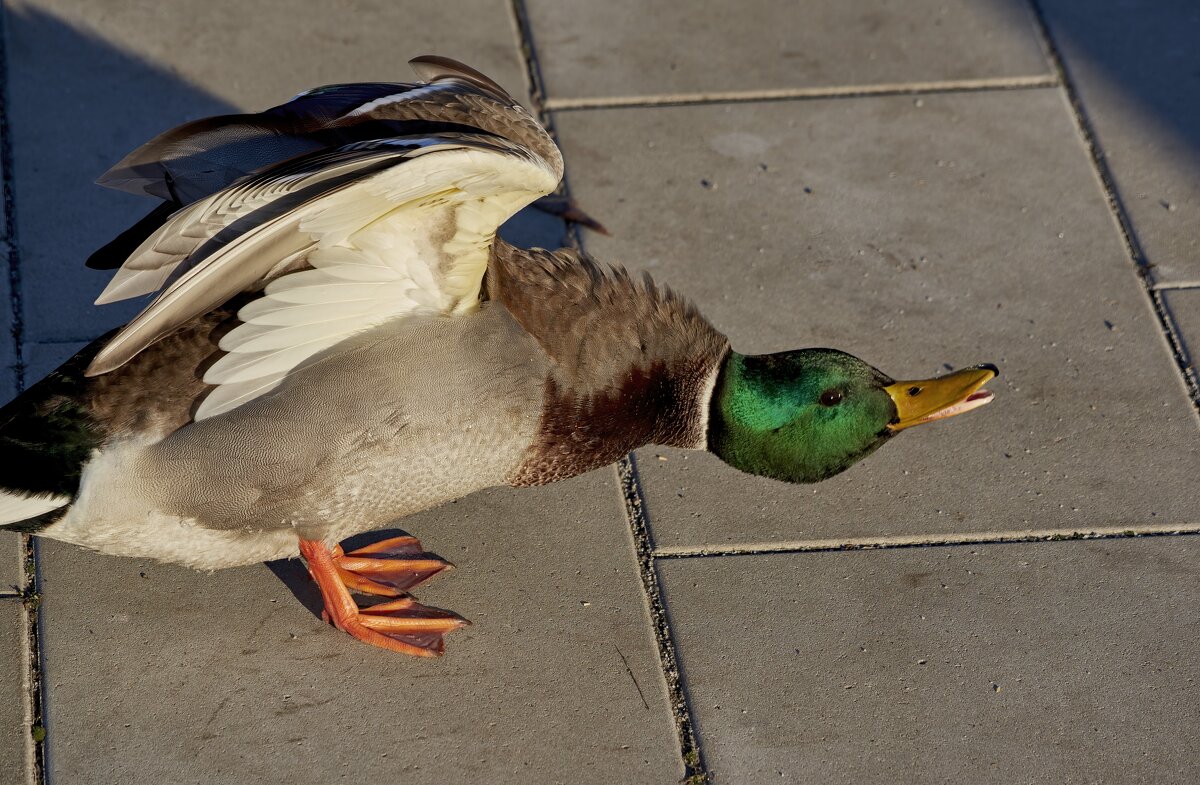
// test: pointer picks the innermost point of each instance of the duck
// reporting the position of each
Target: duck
(339, 339)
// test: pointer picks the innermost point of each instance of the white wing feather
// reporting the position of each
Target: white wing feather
(398, 198)
(412, 239)
(181, 235)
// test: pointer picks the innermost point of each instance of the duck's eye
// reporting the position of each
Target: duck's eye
(831, 397)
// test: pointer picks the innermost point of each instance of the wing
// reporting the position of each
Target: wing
(201, 157)
(198, 159)
(343, 239)
(231, 212)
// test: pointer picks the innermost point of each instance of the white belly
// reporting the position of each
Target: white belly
(113, 515)
(401, 419)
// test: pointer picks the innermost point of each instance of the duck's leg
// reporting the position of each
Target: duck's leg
(402, 625)
(564, 207)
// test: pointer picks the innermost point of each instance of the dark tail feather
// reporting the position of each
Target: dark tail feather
(34, 525)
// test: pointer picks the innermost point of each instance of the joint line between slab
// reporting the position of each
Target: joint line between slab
(1133, 247)
(537, 96)
(35, 672)
(928, 541)
(804, 93)
(533, 71)
(690, 755)
(1170, 286)
(695, 769)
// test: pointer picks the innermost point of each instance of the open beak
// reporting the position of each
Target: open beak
(927, 400)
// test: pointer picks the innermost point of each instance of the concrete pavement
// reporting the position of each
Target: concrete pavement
(926, 185)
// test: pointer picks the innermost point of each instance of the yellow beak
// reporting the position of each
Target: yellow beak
(927, 400)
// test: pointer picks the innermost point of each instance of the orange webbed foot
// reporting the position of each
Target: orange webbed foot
(388, 567)
(401, 625)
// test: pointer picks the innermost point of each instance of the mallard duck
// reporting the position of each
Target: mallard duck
(342, 340)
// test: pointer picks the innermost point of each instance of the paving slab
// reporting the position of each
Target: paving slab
(630, 48)
(161, 674)
(919, 234)
(14, 726)
(1137, 69)
(1066, 662)
(91, 81)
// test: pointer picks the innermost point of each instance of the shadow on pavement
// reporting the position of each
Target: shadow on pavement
(1146, 51)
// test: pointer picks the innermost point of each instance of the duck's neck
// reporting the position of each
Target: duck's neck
(741, 421)
(581, 431)
(689, 429)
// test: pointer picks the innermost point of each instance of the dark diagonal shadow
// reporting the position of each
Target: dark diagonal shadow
(1148, 53)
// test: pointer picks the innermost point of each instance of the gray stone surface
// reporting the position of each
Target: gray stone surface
(91, 81)
(1184, 307)
(918, 234)
(631, 48)
(12, 560)
(14, 726)
(1068, 662)
(160, 674)
(1137, 68)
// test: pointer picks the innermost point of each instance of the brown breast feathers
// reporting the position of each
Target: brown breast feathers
(630, 359)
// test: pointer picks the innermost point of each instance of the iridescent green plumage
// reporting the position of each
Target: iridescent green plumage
(799, 416)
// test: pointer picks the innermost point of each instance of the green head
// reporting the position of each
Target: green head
(806, 415)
